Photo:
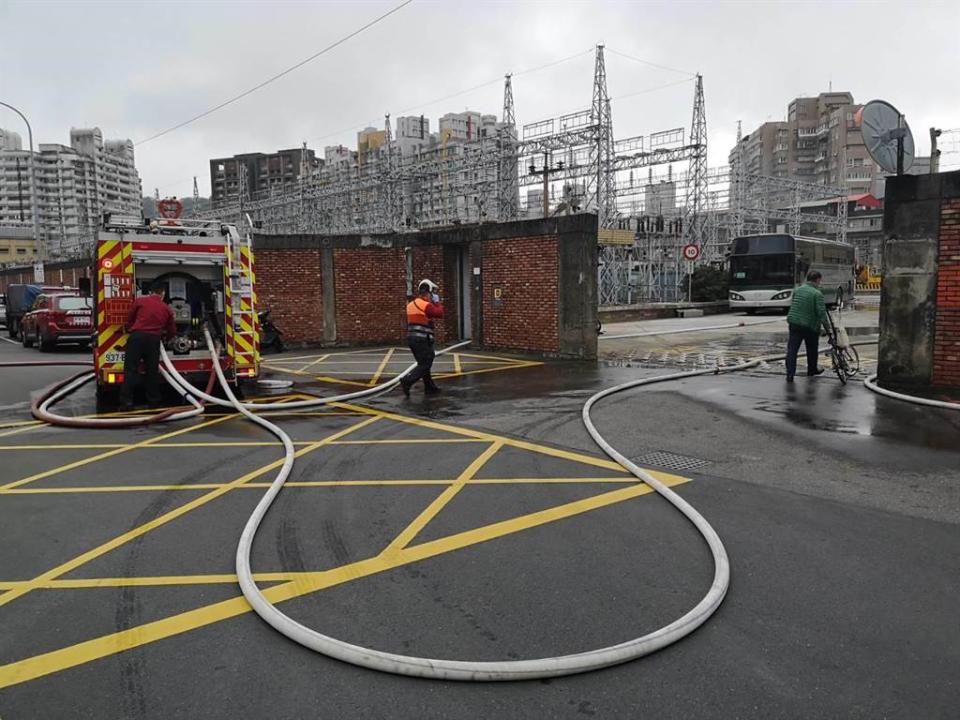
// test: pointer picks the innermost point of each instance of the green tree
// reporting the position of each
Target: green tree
(709, 284)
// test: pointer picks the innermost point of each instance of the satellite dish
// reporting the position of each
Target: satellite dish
(886, 135)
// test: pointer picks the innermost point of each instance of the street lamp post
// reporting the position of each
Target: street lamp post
(33, 185)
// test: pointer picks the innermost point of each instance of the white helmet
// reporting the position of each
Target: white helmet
(427, 286)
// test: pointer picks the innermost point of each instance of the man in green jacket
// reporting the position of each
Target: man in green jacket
(807, 314)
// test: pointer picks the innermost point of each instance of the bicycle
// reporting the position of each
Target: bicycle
(843, 356)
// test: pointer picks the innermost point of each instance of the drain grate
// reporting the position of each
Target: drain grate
(669, 460)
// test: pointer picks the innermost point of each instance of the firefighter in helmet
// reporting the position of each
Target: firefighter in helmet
(421, 312)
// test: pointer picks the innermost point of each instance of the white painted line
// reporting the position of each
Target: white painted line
(12, 342)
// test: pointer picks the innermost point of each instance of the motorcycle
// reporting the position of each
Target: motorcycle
(270, 334)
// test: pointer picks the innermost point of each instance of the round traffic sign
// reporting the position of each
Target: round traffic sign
(691, 252)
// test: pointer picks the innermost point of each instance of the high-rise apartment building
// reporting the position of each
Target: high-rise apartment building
(467, 126)
(819, 143)
(256, 175)
(9, 140)
(76, 184)
(413, 135)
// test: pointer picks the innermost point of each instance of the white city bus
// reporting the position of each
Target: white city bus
(765, 269)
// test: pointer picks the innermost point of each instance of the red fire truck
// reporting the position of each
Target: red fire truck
(207, 270)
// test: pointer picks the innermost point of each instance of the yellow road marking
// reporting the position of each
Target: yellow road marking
(491, 369)
(441, 360)
(523, 445)
(157, 581)
(239, 443)
(319, 359)
(32, 425)
(381, 366)
(84, 652)
(19, 423)
(99, 446)
(457, 367)
(374, 360)
(493, 358)
(410, 441)
(109, 453)
(21, 429)
(365, 351)
(430, 512)
(320, 483)
(136, 532)
(319, 378)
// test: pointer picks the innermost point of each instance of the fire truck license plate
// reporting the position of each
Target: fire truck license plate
(114, 357)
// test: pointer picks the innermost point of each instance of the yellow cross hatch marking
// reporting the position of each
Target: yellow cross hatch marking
(50, 662)
(136, 532)
(399, 552)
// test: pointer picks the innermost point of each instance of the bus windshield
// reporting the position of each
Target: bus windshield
(761, 270)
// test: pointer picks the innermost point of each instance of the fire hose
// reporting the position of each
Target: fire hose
(459, 669)
(483, 670)
(430, 667)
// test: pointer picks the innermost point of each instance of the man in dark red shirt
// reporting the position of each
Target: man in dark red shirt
(150, 321)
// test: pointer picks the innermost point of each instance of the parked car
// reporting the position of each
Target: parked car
(57, 319)
(19, 300)
(3, 311)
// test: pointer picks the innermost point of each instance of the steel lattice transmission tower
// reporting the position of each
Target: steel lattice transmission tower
(694, 228)
(602, 153)
(613, 261)
(391, 190)
(508, 189)
(196, 198)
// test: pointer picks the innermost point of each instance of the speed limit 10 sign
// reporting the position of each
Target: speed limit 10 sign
(691, 252)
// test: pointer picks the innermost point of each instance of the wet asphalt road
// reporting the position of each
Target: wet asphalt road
(839, 511)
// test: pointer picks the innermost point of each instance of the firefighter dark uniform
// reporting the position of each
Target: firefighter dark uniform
(150, 321)
(421, 312)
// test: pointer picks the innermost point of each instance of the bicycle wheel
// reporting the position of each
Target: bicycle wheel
(839, 366)
(851, 358)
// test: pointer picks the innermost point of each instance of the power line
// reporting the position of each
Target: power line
(279, 75)
(651, 64)
(653, 89)
(470, 89)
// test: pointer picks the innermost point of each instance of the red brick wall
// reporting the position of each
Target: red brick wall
(946, 343)
(371, 292)
(526, 271)
(288, 282)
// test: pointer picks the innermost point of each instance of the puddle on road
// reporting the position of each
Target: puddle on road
(824, 405)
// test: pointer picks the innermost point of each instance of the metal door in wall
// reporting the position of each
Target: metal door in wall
(464, 292)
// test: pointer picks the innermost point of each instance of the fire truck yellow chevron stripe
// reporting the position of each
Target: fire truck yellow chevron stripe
(244, 344)
(114, 339)
(106, 248)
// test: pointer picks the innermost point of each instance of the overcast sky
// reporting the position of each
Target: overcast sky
(136, 68)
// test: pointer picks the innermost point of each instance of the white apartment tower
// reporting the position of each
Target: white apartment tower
(76, 184)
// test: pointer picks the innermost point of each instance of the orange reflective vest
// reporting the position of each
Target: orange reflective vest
(417, 312)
